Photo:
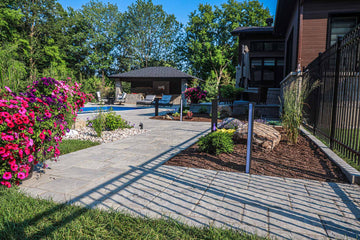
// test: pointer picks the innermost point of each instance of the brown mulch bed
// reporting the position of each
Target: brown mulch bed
(303, 160)
(196, 118)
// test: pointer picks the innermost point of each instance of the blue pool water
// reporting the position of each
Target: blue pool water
(105, 109)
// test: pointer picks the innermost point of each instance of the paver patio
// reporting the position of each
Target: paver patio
(128, 175)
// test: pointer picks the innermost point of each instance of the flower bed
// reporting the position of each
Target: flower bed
(32, 125)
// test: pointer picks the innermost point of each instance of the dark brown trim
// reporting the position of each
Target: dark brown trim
(300, 34)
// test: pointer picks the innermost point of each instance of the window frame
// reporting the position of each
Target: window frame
(336, 15)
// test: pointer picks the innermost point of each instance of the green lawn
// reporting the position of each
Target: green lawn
(71, 145)
(23, 217)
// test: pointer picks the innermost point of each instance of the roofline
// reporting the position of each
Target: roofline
(283, 13)
(237, 33)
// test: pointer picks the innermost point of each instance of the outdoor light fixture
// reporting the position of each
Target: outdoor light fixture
(141, 125)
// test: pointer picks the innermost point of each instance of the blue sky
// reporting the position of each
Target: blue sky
(180, 8)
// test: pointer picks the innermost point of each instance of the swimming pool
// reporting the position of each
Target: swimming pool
(105, 109)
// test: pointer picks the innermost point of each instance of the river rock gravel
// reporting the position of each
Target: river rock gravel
(88, 133)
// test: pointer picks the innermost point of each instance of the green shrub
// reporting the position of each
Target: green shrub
(113, 122)
(230, 92)
(176, 114)
(98, 123)
(202, 109)
(184, 109)
(217, 142)
(108, 121)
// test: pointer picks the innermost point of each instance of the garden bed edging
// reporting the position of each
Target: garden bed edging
(351, 173)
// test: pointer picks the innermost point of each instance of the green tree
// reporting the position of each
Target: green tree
(41, 27)
(208, 46)
(102, 35)
(148, 36)
(13, 49)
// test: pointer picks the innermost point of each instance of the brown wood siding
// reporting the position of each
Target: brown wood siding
(315, 27)
(314, 39)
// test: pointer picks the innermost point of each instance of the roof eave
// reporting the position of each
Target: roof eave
(282, 17)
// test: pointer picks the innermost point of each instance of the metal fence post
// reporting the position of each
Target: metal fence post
(214, 109)
(181, 108)
(249, 137)
(335, 94)
(156, 107)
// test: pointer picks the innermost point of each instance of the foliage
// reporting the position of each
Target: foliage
(211, 89)
(107, 122)
(217, 142)
(32, 125)
(44, 219)
(230, 92)
(103, 35)
(177, 114)
(98, 123)
(148, 36)
(208, 47)
(73, 145)
(202, 110)
(295, 95)
(194, 95)
(113, 122)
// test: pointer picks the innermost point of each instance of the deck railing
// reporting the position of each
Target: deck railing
(332, 111)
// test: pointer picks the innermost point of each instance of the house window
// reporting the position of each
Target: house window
(266, 46)
(266, 72)
(340, 25)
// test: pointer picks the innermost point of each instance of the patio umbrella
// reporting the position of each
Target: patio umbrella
(243, 69)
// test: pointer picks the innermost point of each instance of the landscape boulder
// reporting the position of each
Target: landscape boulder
(79, 124)
(265, 136)
(225, 111)
(231, 123)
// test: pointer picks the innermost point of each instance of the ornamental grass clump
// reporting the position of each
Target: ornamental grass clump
(217, 142)
(32, 125)
(293, 104)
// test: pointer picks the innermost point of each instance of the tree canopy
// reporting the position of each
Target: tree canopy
(41, 38)
(208, 47)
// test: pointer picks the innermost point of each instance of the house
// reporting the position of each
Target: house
(302, 30)
(153, 80)
(311, 26)
(261, 63)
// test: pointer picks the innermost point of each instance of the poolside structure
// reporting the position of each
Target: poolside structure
(153, 80)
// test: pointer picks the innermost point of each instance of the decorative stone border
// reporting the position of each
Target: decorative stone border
(351, 173)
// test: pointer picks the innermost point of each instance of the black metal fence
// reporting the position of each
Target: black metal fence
(333, 109)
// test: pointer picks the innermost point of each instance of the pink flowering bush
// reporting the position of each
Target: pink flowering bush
(32, 125)
(195, 94)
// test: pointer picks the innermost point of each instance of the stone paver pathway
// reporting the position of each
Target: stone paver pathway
(128, 175)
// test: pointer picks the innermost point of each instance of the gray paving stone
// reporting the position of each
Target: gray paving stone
(341, 227)
(299, 222)
(257, 216)
(62, 185)
(127, 175)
